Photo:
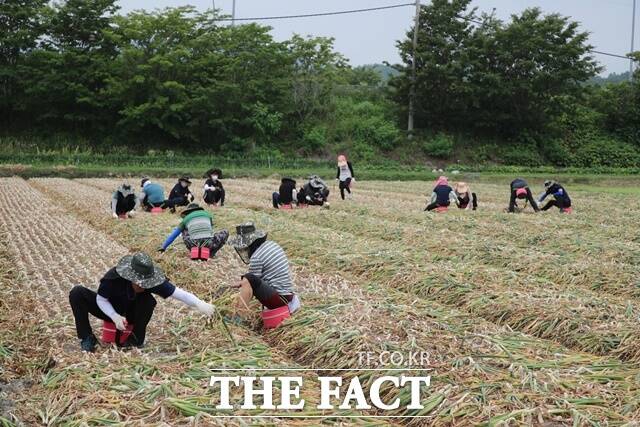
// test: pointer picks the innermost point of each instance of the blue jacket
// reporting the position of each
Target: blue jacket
(154, 193)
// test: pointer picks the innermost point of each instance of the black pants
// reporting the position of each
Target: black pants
(345, 185)
(125, 204)
(264, 293)
(83, 302)
(465, 202)
(512, 202)
(435, 204)
(275, 198)
(147, 205)
(176, 201)
(211, 197)
(559, 203)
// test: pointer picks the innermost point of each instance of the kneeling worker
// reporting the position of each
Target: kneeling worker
(197, 231)
(286, 194)
(268, 278)
(124, 201)
(561, 198)
(125, 297)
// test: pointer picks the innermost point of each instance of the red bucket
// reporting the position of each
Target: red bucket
(286, 207)
(156, 210)
(109, 332)
(205, 253)
(273, 318)
(195, 252)
(441, 209)
(123, 216)
(566, 210)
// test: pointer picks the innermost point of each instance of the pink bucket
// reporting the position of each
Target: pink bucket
(156, 210)
(123, 216)
(195, 252)
(566, 210)
(521, 192)
(286, 207)
(273, 318)
(205, 253)
(109, 332)
(441, 209)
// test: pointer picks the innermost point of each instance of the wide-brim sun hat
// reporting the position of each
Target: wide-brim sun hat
(184, 179)
(246, 234)
(139, 268)
(462, 187)
(213, 171)
(192, 207)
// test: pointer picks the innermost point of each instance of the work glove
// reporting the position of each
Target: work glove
(115, 215)
(120, 322)
(205, 308)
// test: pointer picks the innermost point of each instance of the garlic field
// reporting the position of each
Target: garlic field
(528, 319)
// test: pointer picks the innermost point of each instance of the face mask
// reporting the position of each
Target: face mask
(214, 177)
(244, 255)
(184, 184)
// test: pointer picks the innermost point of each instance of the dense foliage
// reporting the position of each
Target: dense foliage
(518, 92)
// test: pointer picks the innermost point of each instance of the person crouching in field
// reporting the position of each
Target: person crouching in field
(268, 278)
(152, 195)
(442, 195)
(345, 175)
(213, 190)
(180, 194)
(124, 297)
(465, 199)
(315, 192)
(561, 198)
(520, 190)
(197, 231)
(124, 201)
(287, 193)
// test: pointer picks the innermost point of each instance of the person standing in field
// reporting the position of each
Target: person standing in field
(286, 194)
(561, 198)
(442, 195)
(213, 190)
(124, 297)
(180, 194)
(124, 201)
(465, 199)
(197, 231)
(520, 190)
(268, 278)
(345, 175)
(152, 195)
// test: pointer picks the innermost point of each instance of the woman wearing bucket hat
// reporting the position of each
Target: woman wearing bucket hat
(520, 190)
(213, 190)
(315, 192)
(268, 278)
(123, 201)
(442, 195)
(561, 198)
(125, 297)
(180, 194)
(196, 228)
(465, 198)
(345, 175)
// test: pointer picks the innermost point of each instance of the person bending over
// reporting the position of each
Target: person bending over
(286, 194)
(268, 278)
(520, 190)
(125, 296)
(197, 231)
(152, 195)
(442, 195)
(213, 190)
(124, 201)
(180, 194)
(561, 198)
(465, 199)
(345, 175)
(315, 192)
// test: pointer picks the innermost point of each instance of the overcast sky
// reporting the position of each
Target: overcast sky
(370, 37)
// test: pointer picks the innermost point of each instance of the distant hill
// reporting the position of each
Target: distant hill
(611, 78)
(385, 71)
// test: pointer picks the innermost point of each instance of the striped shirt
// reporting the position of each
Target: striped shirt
(270, 263)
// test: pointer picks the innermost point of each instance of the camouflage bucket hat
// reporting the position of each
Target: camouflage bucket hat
(246, 234)
(139, 268)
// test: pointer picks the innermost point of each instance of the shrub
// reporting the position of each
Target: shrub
(439, 146)
(607, 152)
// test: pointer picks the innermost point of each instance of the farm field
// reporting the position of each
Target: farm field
(527, 319)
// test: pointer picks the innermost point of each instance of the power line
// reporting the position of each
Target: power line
(311, 15)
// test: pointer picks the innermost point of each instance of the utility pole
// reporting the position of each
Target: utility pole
(412, 89)
(233, 13)
(633, 34)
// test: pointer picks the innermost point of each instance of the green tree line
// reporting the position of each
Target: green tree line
(515, 92)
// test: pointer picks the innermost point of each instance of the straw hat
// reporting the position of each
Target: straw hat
(140, 269)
